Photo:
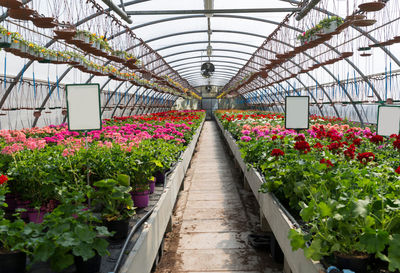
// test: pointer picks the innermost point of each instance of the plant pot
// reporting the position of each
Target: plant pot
(5, 41)
(12, 262)
(152, 184)
(160, 178)
(22, 13)
(141, 199)
(11, 200)
(332, 28)
(23, 205)
(120, 228)
(11, 4)
(90, 266)
(357, 263)
(371, 6)
(36, 216)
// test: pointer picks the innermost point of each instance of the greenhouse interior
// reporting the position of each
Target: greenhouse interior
(199, 136)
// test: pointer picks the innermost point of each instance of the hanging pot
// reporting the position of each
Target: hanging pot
(355, 17)
(12, 262)
(365, 54)
(43, 22)
(37, 114)
(65, 33)
(357, 263)
(11, 4)
(364, 22)
(90, 266)
(23, 13)
(371, 6)
(5, 41)
(140, 199)
(36, 216)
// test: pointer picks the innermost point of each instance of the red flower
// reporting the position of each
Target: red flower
(376, 139)
(357, 141)
(350, 152)
(396, 144)
(318, 145)
(366, 157)
(277, 152)
(302, 146)
(274, 137)
(327, 162)
(3, 179)
(393, 136)
(336, 138)
(398, 170)
(300, 138)
(334, 146)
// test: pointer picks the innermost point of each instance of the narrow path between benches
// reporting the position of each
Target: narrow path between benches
(213, 217)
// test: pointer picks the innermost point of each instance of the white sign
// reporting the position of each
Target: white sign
(297, 112)
(83, 103)
(388, 120)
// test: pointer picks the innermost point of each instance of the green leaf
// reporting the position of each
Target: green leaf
(369, 221)
(83, 250)
(124, 180)
(44, 251)
(84, 233)
(61, 260)
(374, 241)
(296, 239)
(314, 250)
(325, 210)
(394, 252)
(101, 246)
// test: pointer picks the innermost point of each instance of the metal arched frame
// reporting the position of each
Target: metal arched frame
(287, 70)
(122, 97)
(197, 73)
(197, 68)
(276, 23)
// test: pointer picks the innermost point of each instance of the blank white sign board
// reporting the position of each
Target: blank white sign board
(83, 103)
(388, 120)
(297, 112)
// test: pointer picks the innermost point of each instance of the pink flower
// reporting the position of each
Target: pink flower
(245, 138)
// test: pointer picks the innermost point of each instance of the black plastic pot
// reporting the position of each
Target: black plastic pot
(120, 228)
(14, 262)
(358, 264)
(90, 266)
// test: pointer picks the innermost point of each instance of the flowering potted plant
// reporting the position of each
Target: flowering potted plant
(13, 236)
(113, 196)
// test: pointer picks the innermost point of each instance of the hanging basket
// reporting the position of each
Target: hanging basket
(364, 22)
(37, 114)
(355, 17)
(346, 54)
(365, 54)
(371, 6)
(22, 13)
(5, 41)
(64, 33)
(44, 22)
(131, 64)
(11, 4)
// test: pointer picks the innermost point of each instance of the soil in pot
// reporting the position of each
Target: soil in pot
(152, 184)
(358, 262)
(120, 228)
(90, 266)
(12, 262)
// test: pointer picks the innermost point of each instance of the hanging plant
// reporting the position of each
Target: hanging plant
(21, 13)
(43, 22)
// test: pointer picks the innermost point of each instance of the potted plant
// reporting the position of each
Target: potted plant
(330, 24)
(13, 236)
(113, 196)
(71, 234)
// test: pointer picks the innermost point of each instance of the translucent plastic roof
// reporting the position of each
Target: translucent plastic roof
(182, 39)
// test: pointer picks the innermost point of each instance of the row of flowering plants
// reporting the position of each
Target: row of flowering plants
(342, 181)
(61, 190)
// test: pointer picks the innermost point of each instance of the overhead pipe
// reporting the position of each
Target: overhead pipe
(303, 13)
(117, 10)
(205, 12)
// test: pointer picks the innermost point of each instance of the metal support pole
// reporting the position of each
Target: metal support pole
(307, 9)
(118, 11)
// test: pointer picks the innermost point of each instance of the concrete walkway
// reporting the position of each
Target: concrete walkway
(213, 217)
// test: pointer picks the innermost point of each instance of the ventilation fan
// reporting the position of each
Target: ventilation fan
(207, 69)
